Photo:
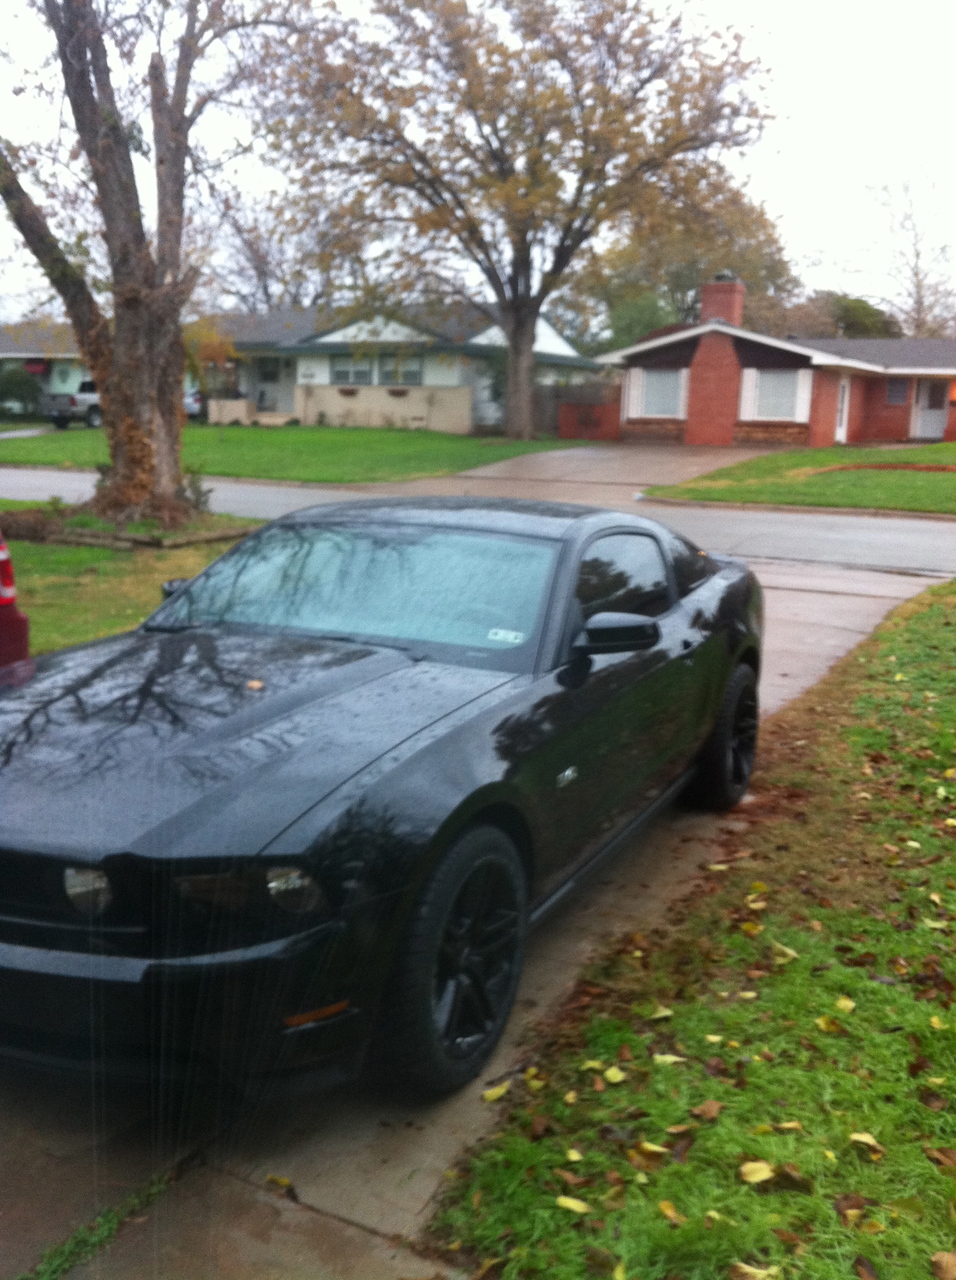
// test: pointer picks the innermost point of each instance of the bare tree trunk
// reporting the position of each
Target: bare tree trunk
(519, 388)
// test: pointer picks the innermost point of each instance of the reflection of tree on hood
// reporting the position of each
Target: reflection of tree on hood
(139, 682)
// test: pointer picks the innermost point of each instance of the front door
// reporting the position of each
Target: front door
(843, 411)
(930, 410)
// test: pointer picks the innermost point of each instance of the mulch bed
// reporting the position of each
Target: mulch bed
(39, 524)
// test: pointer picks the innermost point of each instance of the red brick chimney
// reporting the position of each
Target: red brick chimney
(722, 299)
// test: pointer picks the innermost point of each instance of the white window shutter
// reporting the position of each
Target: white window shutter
(804, 394)
(748, 395)
(684, 380)
(633, 397)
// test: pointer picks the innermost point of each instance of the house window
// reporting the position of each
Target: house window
(400, 371)
(352, 371)
(269, 369)
(655, 393)
(897, 390)
(775, 395)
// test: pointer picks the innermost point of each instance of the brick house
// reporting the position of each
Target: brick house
(716, 383)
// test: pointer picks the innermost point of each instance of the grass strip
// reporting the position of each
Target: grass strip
(328, 455)
(88, 1240)
(764, 1085)
(796, 478)
(75, 594)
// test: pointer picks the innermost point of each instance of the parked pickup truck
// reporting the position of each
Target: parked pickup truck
(75, 406)
(84, 406)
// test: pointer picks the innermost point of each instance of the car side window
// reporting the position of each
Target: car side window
(691, 565)
(623, 573)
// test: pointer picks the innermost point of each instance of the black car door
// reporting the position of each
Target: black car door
(615, 732)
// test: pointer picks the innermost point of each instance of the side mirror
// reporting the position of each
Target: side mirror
(172, 585)
(617, 633)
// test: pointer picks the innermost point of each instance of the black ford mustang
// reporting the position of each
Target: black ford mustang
(309, 808)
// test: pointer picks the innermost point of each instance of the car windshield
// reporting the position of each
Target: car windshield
(472, 598)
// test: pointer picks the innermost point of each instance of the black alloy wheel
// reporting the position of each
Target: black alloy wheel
(726, 759)
(456, 977)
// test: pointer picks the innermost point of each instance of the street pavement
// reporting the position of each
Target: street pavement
(606, 476)
(365, 1168)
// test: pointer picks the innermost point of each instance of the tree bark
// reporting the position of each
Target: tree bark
(519, 386)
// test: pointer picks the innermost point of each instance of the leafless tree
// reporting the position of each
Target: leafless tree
(168, 62)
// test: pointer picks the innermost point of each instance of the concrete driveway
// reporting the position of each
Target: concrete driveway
(365, 1169)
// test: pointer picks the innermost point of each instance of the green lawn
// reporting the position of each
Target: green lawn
(73, 594)
(766, 1087)
(794, 478)
(330, 455)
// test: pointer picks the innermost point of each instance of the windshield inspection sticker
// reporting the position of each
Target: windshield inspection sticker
(505, 637)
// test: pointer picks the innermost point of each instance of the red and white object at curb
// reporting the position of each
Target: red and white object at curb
(14, 627)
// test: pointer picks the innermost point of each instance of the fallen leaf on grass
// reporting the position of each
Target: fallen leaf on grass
(935, 924)
(754, 1171)
(713, 1039)
(864, 1269)
(573, 1205)
(935, 1101)
(751, 929)
(867, 1140)
(791, 1239)
(938, 1024)
(681, 1148)
(944, 1266)
(671, 1213)
(830, 1025)
(845, 1004)
(667, 1059)
(571, 1097)
(499, 1091)
(943, 1157)
(741, 1271)
(789, 1125)
(789, 1178)
(850, 1208)
(708, 1110)
(781, 954)
(660, 1012)
(911, 1206)
(592, 1064)
(540, 1125)
(571, 1179)
(573, 1154)
(614, 1075)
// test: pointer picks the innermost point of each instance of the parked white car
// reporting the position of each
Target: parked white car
(84, 406)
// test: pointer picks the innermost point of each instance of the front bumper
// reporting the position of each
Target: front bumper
(221, 1013)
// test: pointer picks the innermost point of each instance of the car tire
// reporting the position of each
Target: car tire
(726, 759)
(60, 424)
(94, 417)
(455, 980)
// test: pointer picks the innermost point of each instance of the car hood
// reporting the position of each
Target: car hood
(199, 742)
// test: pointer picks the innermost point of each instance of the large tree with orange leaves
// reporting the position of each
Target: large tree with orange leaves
(485, 144)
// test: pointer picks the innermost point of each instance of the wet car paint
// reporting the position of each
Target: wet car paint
(358, 762)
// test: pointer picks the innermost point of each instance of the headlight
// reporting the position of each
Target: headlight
(293, 890)
(88, 890)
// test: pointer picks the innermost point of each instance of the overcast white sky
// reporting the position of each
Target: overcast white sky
(862, 95)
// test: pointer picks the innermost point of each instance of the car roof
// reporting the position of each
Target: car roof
(500, 515)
